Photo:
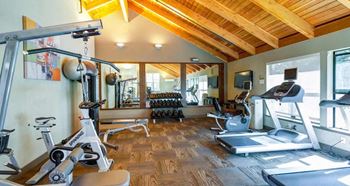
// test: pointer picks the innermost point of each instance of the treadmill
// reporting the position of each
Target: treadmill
(335, 175)
(278, 139)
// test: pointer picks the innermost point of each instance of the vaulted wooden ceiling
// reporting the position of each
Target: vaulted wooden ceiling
(234, 29)
(174, 69)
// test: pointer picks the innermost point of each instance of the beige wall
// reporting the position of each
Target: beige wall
(34, 98)
(139, 35)
(322, 45)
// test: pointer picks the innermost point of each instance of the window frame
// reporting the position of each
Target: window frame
(335, 92)
(292, 116)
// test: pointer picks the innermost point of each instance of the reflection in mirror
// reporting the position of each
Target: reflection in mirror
(120, 90)
(162, 78)
(201, 83)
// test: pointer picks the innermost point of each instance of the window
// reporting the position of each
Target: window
(153, 81)
(308, 78)
(341, 84)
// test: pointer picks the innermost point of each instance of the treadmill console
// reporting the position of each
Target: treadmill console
(284, 89)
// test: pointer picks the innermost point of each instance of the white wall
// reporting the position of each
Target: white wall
(139, 35)
(322, 45)
(34, 98)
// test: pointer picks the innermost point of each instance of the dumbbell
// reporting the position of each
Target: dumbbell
(153, 115)
(181, 114)
(168, 113)
(158, 114)
(175, 114)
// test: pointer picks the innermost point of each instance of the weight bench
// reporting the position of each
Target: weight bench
(130, 124)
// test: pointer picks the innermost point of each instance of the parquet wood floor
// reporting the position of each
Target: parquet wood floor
(186, 154)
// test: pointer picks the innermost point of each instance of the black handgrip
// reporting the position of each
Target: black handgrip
(102, 102)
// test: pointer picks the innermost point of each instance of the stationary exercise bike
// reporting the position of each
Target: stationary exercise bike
(94, 150)
(86, 137)
(233, 123)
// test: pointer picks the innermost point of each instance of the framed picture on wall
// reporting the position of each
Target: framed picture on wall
(42, 66)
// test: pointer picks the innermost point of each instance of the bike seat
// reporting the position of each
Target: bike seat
(44, 119)
(7, 131)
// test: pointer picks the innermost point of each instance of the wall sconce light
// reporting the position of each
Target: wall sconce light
(120, 44)
(158, 46)
(194, 59)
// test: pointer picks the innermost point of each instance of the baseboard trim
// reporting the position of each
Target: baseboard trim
(29, 167)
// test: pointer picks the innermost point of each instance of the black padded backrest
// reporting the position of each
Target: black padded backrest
(217, 105)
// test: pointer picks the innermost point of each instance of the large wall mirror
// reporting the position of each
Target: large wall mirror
(197, 82)
(162, 78)
(202, 83)
(120, 90)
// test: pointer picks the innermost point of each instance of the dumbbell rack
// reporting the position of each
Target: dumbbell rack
(173, 108)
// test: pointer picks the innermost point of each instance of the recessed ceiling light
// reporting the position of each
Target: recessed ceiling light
(194, 59)
(120, 44)
(158, 46)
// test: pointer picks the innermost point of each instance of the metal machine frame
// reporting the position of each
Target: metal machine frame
(12, 41)
(274, 147)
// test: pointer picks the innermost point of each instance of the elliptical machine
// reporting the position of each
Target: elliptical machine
(233, 123)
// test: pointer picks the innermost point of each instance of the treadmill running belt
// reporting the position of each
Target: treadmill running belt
(238, 141)
(331, 177)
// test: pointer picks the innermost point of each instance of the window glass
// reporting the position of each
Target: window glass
(341, 86)
(201, 83)
(342, 75)
(308, 78)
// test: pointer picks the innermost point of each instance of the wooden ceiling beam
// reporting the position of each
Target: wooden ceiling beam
(195, 67)
(125, 9)
(345, 3)
(286, 16)
(198, 66)
(198, 19)
(189, 29)
(155, 18)
(236, 18)
(189, 66)
(173, 67)
(201, 66)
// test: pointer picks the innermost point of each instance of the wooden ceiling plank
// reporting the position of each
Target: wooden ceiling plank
(96, 4)
(190, 29)
(125, 9)
(166, 69)
(345, 3)
(155, 18)
(178, 8)
(286, 16)
(235, 17)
